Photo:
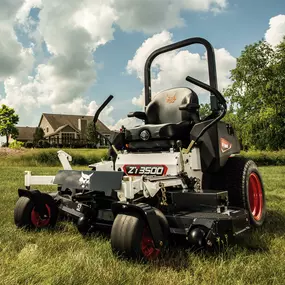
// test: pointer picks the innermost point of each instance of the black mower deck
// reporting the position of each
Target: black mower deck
(228, 224)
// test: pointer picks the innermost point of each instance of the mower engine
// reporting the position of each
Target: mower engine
(154, 172)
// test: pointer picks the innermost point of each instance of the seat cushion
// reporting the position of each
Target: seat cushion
(164, 107)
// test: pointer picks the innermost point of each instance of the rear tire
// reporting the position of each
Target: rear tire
(25, 215)
(131, 237)
(241, 178)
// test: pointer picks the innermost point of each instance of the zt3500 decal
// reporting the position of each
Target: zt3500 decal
(157, 170)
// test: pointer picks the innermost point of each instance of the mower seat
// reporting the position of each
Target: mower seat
(164, 119)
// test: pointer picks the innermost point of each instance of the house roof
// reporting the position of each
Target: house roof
(26, 133)
(60, 129)
(58, 120)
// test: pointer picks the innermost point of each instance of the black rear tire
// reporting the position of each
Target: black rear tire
(243, 181)
(131, 238)
(25, 215)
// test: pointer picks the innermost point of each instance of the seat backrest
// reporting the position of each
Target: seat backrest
(164, 107)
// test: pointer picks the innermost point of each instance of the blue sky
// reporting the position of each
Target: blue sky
(69, 66)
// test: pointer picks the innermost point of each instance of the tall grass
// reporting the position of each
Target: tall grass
(266, 157)
(48, 157)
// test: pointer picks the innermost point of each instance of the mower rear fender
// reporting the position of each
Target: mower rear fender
(156, 221)
(36, 197)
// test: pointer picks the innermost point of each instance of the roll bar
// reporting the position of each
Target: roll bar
(211, 67)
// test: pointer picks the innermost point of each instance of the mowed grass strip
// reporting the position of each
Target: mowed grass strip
(63, 256)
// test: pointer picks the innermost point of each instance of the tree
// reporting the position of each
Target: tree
(91, 133)
(205, 110)
(8, 120)
(38, 135)
(256, 98)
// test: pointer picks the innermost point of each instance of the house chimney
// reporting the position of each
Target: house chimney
(82, 126)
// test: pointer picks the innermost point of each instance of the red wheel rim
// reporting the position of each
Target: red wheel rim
(36, 219)
(255, 196)
(147, 245)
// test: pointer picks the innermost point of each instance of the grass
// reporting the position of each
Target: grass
(48, 157)
(63, 256)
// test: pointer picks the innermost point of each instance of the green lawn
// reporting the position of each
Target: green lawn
(63, 256)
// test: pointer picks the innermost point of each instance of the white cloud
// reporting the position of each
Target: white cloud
(225, 63)
(72, 30)
(153, 16)
(14, 58)
(274, 35)
(24, 11)
(206, 5)
(9, 10)
(139, 101)
(173, 67)
(136, 65)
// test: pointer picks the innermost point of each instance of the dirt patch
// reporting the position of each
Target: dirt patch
(5, 151)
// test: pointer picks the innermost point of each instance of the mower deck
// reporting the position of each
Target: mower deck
(202, 213)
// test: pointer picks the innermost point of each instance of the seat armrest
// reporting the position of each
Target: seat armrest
(189, 107)
(138, 115)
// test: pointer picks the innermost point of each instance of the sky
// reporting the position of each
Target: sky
(69, 56)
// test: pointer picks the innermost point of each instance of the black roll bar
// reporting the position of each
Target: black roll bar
(211, 66)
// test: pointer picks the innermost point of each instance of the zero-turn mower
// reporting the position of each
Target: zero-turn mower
(174, 175)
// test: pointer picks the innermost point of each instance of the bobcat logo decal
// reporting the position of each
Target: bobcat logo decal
(225, 145)
(171, 99)
(84, 180)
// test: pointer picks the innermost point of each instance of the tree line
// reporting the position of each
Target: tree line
(256, 98)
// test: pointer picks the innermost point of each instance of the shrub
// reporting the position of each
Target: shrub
(266, 157)
(46, 144)
(16, 145)
(40, 144)
(29, 144)
(43, 144)
(47, 157)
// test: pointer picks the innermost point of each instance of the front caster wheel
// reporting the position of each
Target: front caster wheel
(131, 237)
(26, 215)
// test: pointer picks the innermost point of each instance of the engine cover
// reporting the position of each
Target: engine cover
(160, 164)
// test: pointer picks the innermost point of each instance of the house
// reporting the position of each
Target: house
(25, 134)
(70, 129)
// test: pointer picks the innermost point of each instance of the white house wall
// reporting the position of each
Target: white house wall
(44, 124)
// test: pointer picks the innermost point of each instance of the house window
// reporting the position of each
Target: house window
(68, 137)
(47, 129)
